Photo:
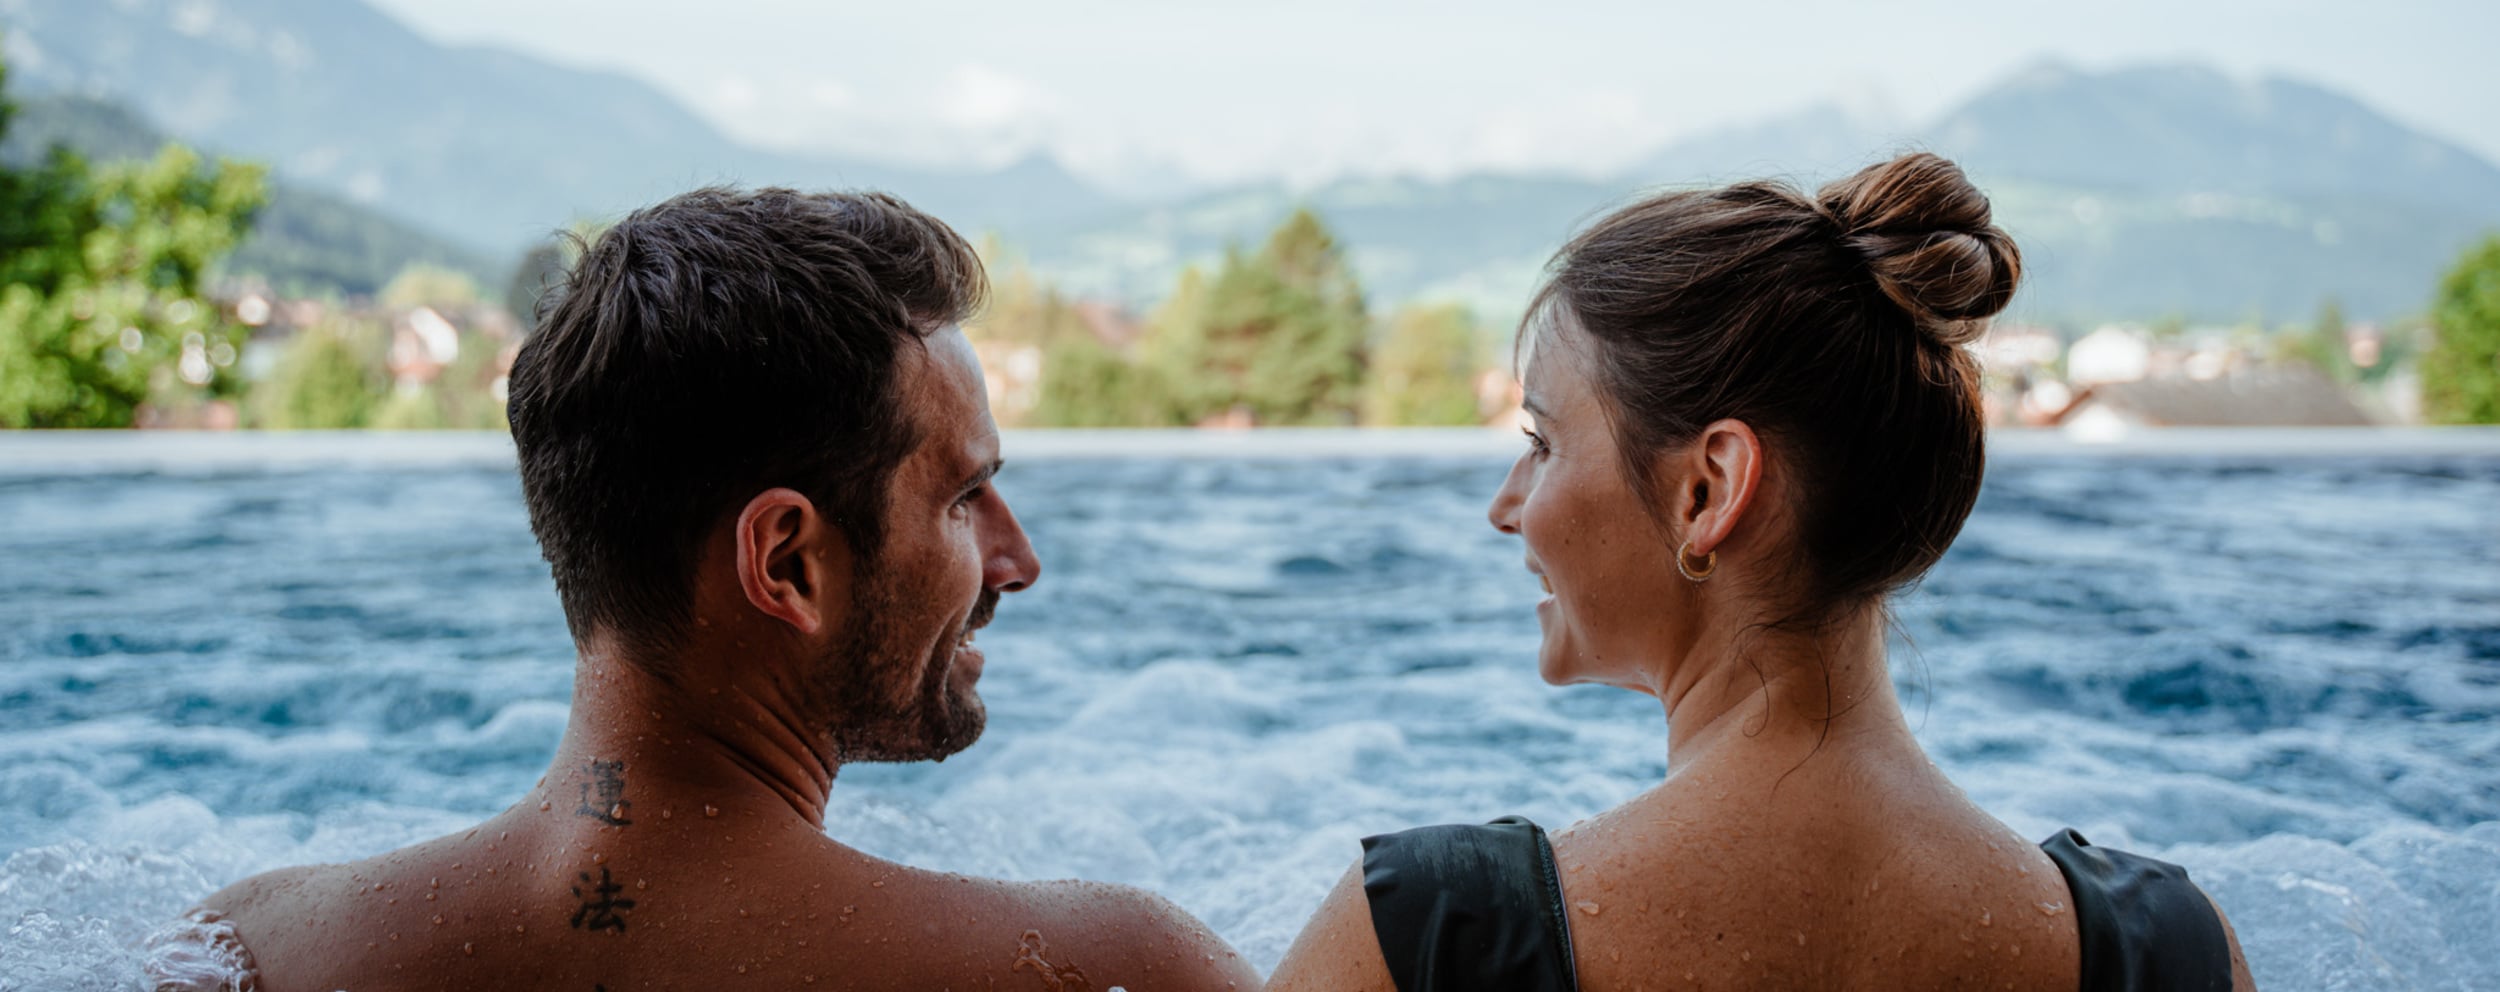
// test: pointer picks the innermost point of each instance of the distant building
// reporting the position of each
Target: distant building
(2281, 396)
(2110, 354)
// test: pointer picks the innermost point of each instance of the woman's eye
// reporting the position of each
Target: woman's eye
(1536, 441)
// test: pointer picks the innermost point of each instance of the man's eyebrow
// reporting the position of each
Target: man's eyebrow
(982, 474)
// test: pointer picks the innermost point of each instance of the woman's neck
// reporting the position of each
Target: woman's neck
(1753, 689)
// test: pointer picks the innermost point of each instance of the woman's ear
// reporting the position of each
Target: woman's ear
(1722, 470)
(782, 562)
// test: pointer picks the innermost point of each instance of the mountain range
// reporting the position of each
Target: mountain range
(2138, 192)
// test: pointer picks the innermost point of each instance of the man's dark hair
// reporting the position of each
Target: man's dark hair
(706, 349)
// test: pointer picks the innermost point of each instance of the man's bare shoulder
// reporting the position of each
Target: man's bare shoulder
(269, 913)
(1106, 933)
(278, 893)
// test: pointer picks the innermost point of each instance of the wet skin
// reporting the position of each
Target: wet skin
(678, 838)
(1801, 838)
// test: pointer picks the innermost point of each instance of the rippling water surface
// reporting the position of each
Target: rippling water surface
(2283, 673)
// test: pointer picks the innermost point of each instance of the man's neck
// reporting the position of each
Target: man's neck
(638, 748)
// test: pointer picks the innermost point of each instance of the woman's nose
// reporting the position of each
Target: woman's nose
(1504, 513)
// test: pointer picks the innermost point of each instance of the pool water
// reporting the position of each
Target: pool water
(2283, 673)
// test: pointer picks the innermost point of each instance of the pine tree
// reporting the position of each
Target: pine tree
(1280, 333)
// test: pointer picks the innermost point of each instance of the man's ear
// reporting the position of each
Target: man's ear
(786, 562)
(1722, 470)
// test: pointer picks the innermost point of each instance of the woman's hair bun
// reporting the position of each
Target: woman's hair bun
(1925, 232)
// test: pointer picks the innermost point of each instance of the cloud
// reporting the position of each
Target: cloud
(980, 98)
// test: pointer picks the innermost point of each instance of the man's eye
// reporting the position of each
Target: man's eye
(972, 496)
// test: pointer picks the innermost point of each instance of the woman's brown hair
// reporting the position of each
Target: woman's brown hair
(1832, 325)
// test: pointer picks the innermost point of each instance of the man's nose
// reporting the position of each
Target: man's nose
(1008, 563)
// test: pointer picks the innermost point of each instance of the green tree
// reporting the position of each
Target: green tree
(330, 377)
(105, 265)
(424, 285)
(2461, 372)
(1425, 371)
(1280, 333)
(1085, 384)
(2322, 344)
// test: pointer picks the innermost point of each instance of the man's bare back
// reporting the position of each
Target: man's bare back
(759, 456)
(687, 901)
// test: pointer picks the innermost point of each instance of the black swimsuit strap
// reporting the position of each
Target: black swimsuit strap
(2142, 923)
(1464, 908)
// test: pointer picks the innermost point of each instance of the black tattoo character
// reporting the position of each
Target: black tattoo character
(609, 804)
(601, 909)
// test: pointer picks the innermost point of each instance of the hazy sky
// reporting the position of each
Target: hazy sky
(1309, 90)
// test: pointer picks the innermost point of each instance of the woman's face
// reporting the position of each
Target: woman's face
(1615, 597)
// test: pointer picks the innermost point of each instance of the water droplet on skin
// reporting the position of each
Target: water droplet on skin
(878, 884)
(616, 812)
(544, 805)
(429, 897)
(1987, 919)
(710, 811)
(2015, 950)
(434, 883)
(2052, 908)
(664, 814)
(1587, 907)
(468, 950)
(1801, 938)
(742, 914)
(641, 884)
(1744, 955)
(598, 858)
(519, 928)
(377, 886)
(438, 919)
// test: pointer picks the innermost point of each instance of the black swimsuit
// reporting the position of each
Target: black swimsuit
(1479, 908)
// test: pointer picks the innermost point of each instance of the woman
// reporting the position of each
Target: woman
(1753, 421)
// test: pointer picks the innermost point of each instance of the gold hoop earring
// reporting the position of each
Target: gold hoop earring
(1709, 564)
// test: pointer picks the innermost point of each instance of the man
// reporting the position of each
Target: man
(757, 453)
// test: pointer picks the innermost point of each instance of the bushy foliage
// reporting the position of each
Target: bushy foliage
(2461, 372)
(103, 266)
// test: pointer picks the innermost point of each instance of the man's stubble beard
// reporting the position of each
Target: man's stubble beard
(860, 680)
